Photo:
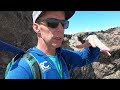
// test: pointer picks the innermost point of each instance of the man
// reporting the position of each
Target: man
(54, 61)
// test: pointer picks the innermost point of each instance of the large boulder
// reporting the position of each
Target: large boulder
(16, 29)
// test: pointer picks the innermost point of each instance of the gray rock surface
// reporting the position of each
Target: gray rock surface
(16, 29)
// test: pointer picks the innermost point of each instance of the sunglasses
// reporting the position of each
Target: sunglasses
(53, 22)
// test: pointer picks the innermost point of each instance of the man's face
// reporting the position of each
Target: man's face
(52, 37)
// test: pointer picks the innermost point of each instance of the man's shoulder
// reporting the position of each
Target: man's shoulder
(65, 50)
(20, 62)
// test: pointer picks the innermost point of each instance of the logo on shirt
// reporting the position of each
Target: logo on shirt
(44, 66)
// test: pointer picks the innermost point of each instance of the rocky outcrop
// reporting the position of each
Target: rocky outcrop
(16, 29)
(106, 67)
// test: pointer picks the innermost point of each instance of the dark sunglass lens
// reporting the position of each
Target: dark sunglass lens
(53, 23)
(65, 24)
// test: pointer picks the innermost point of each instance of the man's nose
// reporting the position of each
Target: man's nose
(60, 27)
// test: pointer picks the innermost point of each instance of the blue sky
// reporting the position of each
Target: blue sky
(84, 21)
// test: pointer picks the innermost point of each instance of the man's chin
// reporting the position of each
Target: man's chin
(57, 46)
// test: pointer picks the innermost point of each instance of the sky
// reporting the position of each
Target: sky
(87, 21)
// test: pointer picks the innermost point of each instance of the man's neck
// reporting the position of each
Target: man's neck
(47, 50)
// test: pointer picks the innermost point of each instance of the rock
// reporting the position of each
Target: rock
(16, 29)
(105, 67)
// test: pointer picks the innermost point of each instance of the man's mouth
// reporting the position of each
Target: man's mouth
(58, 38)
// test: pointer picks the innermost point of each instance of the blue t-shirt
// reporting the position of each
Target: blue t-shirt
(57, 63)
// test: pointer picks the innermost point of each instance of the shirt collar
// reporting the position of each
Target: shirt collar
(39, 52)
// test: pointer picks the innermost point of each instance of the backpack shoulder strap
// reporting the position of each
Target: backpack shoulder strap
(9, 66)
(34, 66)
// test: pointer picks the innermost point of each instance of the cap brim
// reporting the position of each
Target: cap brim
(69, 14)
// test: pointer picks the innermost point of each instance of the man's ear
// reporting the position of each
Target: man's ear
(36, 28)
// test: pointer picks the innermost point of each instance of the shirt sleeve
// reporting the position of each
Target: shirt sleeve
(19, 70)
(81, 58)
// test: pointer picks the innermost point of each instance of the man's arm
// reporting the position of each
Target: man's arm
(92, 40)
(91, 52)
(82, 57)
(8, 47)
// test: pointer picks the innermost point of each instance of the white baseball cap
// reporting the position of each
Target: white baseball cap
(68, 15)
